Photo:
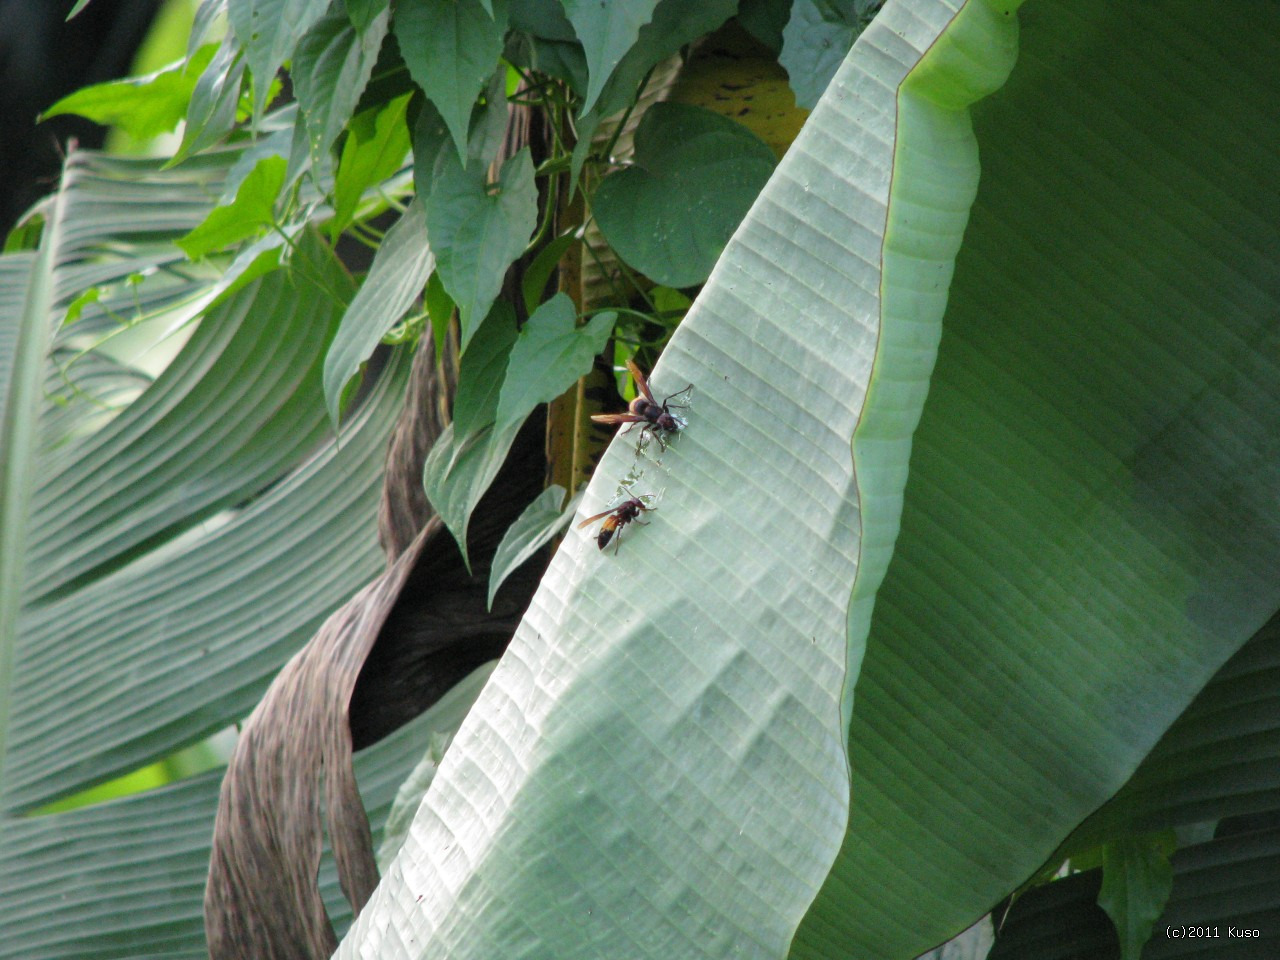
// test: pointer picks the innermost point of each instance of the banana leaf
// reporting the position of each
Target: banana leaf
(1042, 576)
(163, 557)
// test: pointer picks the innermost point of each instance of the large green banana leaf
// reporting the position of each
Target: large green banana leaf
(1214, 774)
(1087, 513)
(126, 878)
(162, 558)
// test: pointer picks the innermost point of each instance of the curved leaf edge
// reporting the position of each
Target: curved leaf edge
(18, 444)
(934, 181)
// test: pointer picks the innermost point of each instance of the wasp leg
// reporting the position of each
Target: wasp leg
(646, 433)
(660, 438)
(667, 402)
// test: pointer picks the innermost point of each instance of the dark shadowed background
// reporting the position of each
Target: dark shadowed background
(43, 58)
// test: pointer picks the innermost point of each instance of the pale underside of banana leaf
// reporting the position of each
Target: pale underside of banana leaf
(1086, 530)
(622, 775)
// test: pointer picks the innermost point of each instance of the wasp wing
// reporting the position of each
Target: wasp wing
(641, 383)
(596, 517)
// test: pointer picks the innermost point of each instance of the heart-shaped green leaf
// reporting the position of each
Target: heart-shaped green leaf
(694, 177)
(476, 233)
(450, 49)
(250, 213)
(551, 352)
(607, 31)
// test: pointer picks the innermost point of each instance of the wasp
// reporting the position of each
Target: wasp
(615, 518)
(657, 417)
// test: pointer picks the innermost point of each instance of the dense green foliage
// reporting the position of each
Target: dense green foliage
(1055, 579)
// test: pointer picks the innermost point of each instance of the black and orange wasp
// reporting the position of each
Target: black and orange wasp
(657, 417)
(615, 518)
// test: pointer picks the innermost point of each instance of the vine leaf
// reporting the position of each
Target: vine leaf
(212, 111)
(815, 41)
(540, 521)
(363, 12)
(674, 24)
(143, 107)
(607, 32)
(450, 50)
(330, 71)
(549, 354)
(476, 403)
(695, 175)
(476, 233)
(400, 269)
(268, 31)
(374, 150)
(252, 211)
